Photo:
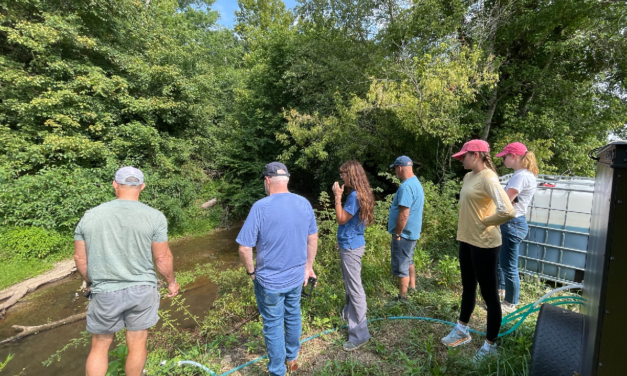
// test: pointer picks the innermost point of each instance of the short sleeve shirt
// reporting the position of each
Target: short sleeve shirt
(351, 234)
(118, 237)
(525, 183)
(411, 195)
(278, 226)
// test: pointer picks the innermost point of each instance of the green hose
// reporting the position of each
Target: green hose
(521, 313)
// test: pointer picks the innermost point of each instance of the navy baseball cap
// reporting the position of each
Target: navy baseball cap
(129, 176)
(402, 161)
(272, 168)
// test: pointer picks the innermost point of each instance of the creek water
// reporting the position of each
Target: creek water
(57, 300)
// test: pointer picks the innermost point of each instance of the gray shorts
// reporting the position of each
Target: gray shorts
(402, 256)
(136, 308)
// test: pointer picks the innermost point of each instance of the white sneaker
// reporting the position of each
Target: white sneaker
(456, 338)
(483, 353)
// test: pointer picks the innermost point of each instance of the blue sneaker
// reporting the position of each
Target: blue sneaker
(484, 353)
(456, 338)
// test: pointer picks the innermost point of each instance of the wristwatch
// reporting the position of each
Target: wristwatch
(396, 236)
(251, 273)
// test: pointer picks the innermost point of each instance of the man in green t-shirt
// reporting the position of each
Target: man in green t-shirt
(114, 247)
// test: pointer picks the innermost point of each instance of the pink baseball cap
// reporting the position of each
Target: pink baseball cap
(513, 148)
(472, 145)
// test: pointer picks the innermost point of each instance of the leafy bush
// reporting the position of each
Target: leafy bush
(32, 242)
(440, 217)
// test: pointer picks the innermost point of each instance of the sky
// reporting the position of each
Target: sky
(227, 7)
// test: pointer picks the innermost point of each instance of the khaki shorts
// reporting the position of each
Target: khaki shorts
(134, 308)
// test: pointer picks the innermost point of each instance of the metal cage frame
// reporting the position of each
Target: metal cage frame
(524, 257)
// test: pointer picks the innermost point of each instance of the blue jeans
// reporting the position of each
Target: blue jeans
(513, 233)
(280, 311)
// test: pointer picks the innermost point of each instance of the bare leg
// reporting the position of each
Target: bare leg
(403, 282)
(136, 360)
(412, 276)
(98, 359)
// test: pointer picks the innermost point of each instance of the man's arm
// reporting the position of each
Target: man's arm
(246, 255)
(401, 221)
(80, 258)
(312, 250)
(165, 265)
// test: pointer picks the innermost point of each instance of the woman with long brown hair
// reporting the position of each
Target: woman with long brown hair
(357, 213)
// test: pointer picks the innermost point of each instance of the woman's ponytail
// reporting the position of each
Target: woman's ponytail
(529, 162)
(487, 159)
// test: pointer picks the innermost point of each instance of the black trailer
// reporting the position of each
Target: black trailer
(593, 343)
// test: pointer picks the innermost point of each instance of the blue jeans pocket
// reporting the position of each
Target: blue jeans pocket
(267, 299)
(517, 229)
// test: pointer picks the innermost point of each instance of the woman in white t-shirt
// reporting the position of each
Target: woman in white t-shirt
(520, 190)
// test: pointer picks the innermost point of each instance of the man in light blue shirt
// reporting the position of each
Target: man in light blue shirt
(283, 228)
(405, 224)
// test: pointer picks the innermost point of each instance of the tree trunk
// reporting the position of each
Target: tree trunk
(28, 330)
(492, 101)
(524, 108)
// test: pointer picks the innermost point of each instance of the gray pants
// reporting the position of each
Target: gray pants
(355, 310)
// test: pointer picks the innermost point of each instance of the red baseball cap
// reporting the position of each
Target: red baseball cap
(472, 145)
(514, 148)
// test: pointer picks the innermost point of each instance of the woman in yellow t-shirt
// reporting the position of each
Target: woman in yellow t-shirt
(483, 207)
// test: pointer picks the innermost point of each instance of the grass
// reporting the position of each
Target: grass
(15, 269)
(231, 332)
(6, 361)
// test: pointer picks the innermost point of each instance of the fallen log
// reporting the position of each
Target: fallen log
(28, 330)
(16, 292)
(209, 203)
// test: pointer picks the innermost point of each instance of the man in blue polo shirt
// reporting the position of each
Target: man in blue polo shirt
(405, 223)
(283, 228)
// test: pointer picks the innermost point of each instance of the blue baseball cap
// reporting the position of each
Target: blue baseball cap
(129, 176)
(402, 161)
(272, 168)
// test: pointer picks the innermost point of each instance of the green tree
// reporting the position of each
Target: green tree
(89, 86)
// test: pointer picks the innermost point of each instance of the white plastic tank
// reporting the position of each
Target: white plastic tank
(559, 224)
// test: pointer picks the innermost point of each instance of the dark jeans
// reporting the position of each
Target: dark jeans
(478, 265)
(513, 233)
(280, 311)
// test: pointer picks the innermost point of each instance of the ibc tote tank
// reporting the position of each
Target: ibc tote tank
(559, 225)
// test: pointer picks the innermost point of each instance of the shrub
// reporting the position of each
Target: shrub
(32, 242)
(440, 217)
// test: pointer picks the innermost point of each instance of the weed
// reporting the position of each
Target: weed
(448, 271)
(6, 361)
(349, 367)
(117, 361)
